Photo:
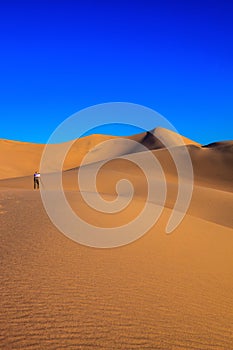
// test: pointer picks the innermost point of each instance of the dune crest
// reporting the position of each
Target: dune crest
(23, 158)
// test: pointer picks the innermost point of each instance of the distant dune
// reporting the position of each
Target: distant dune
(161, 138)
(23, 158)
(159, 292)
(19, 158)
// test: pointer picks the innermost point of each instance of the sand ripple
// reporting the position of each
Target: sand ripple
(161, 292)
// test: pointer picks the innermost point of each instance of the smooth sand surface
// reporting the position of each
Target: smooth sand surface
(23, 158)
(160, 292)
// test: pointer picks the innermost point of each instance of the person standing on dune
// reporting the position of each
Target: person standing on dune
(36, 180)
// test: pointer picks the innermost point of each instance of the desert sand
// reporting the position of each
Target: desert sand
(163, 291)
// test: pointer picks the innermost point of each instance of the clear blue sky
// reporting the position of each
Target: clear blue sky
(58, 57)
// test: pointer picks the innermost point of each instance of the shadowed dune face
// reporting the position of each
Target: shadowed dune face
(214, 166)
(222, 145)
(159, 292)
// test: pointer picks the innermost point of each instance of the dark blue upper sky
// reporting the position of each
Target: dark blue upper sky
(58, 57)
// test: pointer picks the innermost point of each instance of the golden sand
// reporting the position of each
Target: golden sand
(160, 292)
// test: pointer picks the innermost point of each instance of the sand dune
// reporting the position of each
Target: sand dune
(159, 292)
(162, 138)
(22, 158)
(19, 158)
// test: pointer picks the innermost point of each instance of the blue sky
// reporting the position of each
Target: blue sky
(58, 57)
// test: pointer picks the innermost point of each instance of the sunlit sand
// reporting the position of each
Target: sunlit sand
(160, 292)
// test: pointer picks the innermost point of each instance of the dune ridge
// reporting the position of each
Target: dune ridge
(23, 158)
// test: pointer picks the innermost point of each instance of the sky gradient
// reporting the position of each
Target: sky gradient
(58, 57)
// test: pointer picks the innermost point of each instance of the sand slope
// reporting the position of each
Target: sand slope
(22, 158)
(160, 292)
(19, 158)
